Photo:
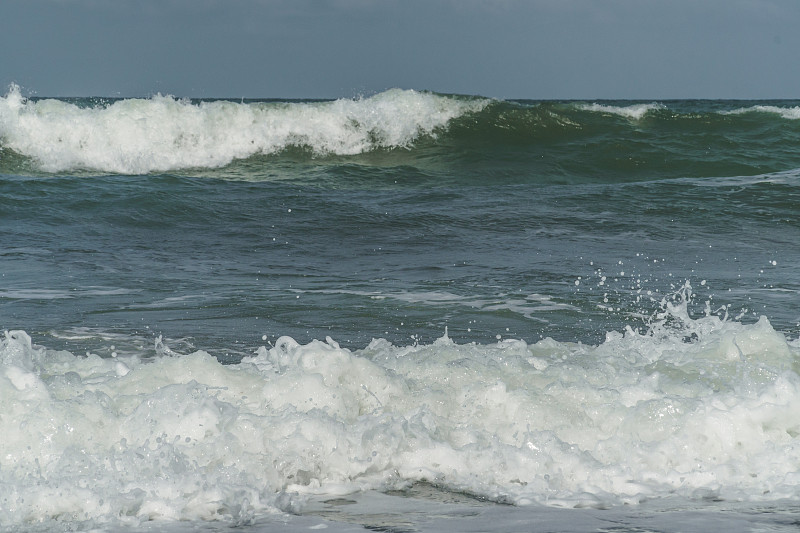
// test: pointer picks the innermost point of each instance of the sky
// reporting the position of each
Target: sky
(536, 49)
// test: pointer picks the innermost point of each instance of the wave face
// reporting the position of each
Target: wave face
(691, 407)
(564, 141)
(138, 136)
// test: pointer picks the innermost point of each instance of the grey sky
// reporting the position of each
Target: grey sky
(648, 49)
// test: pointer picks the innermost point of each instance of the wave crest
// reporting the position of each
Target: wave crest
(163, 133)
(789, 113)
(633, 112)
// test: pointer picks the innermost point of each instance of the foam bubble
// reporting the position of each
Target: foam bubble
(692, 407)
(135, 136)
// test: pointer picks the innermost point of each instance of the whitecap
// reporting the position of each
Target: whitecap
(633, 111)
(162, 133)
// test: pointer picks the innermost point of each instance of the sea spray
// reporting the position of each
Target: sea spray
(704, 408)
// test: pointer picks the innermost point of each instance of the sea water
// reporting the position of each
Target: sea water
(408, 311)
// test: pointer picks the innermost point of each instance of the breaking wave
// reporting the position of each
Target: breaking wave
(562, 141)
(695, 407)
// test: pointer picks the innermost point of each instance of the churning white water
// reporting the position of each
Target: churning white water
(693, 407)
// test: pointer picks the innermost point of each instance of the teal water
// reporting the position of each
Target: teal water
(227, 262)
(478, 223)
(154, 228)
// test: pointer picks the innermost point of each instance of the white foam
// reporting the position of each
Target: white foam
(528, 306)
(633, 111)
(791, 113)
(51, 294)
(162, 133)
(694, 407)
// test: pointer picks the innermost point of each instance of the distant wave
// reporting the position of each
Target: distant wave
(633, 111)
(791, 113)
(162, 133)
(565, 142)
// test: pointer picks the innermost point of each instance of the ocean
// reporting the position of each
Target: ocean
(401, 312)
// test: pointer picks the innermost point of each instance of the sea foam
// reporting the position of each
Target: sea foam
(791, 113)
(698, 408)
(633, 111)
(162, 133)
